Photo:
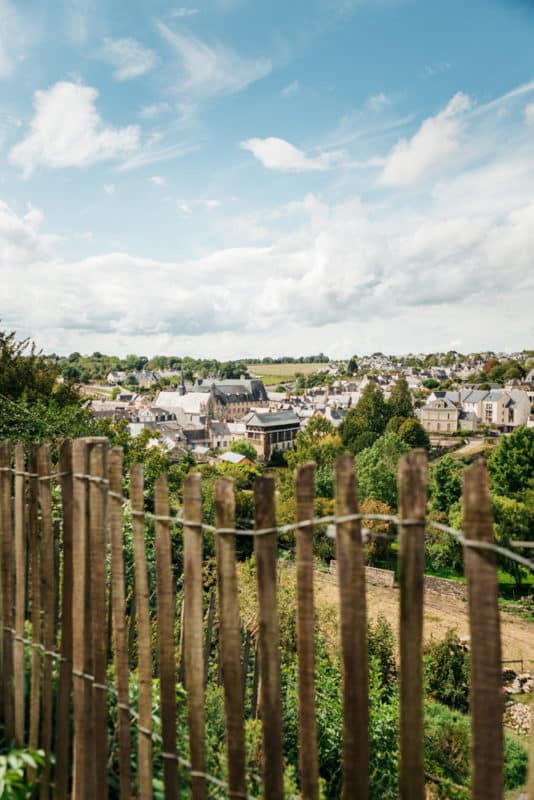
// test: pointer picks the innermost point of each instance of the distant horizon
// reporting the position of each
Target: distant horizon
(251, 360)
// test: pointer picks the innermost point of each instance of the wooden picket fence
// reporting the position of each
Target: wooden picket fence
(64, 604)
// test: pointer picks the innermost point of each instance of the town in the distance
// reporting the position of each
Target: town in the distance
(203, 406)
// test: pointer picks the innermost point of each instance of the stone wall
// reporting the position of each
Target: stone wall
(446, 588)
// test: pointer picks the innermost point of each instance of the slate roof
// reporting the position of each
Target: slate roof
(271, 420)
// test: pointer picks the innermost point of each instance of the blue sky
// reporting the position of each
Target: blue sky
(235, 178)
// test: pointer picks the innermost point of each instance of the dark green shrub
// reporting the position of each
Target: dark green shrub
(447, 671)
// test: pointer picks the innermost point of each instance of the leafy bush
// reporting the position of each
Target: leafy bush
(14, 766)
(447, 671)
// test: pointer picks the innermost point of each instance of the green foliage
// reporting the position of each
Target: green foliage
(14, 766)
(245, 449)
(376, 469)
(366, 421)
(513, 520)
(431, 383)
(412, 432)
(318, 442)
(399, 402)
(445, 483)
(381, 647)
(511, 465)
(447, 671)
(26, 374)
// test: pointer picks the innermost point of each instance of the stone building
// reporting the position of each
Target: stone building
(271, 431)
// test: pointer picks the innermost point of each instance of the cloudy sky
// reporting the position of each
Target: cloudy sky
(236, 178)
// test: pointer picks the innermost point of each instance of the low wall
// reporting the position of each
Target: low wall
(386, 577)
(445, 587)
(379, 577)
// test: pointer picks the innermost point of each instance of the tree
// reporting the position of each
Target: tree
(511, 465)
(27, 374)
(445, 483)
(318, 442)
(513, 520)
(376, 469)
(400, 400)
(431, 383)
(245, 449)
(366, 421)
(412, 432)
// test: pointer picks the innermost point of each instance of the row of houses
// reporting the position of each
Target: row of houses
(467, 409)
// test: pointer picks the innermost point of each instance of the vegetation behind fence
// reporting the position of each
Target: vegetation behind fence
(77, 626)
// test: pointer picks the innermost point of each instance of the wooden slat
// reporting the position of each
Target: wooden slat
(265, 548)
(309, 774)
(120, 640)
(212, 608)
(230, 636)
(530, 787)
(48, 580)
(35, 567)
(486, 701)
(412, 506)
(353, 623)
(97, 557)
(81, 642)
(166, 651)
(144, 644)
(194, 657)
(62, 745)
(20, 593)
(6, 527)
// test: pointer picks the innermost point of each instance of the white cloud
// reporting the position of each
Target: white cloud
(438, 68)
(17, 33)
(185, 12)
(278, 154)
(291, 89)
(437, 138)
(158, 180)
(211, 203)
(529, 114)
(153, 110)
(76, 15)
(77, 139)
(373, 275)
(378, 102)
(128, 58)
(109, 188)
(210, 70)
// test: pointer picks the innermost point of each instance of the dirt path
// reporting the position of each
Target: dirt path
(440, 613)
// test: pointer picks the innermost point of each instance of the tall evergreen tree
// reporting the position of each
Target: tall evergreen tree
(400, 400)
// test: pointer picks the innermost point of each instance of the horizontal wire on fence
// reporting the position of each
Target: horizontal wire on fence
(330, 519)
(132, 712)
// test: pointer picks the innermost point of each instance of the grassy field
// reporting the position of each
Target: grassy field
(273, 374)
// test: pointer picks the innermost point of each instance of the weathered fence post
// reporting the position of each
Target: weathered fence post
(412, 510)
(230, 635)
(62, 742)
(144, 639)
(194, 657)
(48, 576)
(81, 636)
(6, 526)
(305, 492)
(35, 567)
(97, 556)
(167, 662)
(265, 548)
(119, 622)
(353, 621)
(20, 593)
(486, 697)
